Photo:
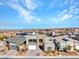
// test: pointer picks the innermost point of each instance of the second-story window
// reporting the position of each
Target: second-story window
(50, 39)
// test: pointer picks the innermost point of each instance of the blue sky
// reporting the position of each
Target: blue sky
(26, 14)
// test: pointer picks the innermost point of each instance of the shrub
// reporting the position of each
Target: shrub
(68, 47)
(65, 49)
(3, 37)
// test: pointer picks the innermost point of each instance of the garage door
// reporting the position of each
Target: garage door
(13, 46)
(77, 47)
(32, 47)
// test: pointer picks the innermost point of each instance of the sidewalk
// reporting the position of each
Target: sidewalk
(11, 53)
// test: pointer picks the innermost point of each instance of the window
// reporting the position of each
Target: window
(50, 39)
(49, 48)
(41, 40)
(13, 47)
(34, 40)
(30, 40)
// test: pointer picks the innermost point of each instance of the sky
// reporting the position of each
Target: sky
(34, 14)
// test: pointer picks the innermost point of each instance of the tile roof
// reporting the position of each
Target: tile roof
(16, 40)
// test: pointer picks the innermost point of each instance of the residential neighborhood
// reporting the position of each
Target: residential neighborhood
(39, 29)
(40, 42)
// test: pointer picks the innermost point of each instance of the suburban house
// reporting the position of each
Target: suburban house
(69, 43)
(77, 45)
(49, 44)
(31, 41)
(16, 43)
(36, 41)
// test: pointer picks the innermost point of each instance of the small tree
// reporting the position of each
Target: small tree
(3, 37)
(17, 48)
(68, 47)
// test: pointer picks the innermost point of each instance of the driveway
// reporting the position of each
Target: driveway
(11, 53)
(34, 52)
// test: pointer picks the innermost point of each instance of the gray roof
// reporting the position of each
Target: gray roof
(16, 40)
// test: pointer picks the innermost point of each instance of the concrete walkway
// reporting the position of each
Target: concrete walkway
(11, 53)
(4, 52)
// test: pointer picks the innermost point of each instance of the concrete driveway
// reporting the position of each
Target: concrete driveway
(34, 52)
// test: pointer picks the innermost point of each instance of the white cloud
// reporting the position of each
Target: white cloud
(61, 18)
(26, 14)
(62, 13)
(66, 16)
(32, 4)
(69, 1)
(76, 11)
(71, 9)
(2, 4)
(68, 12)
